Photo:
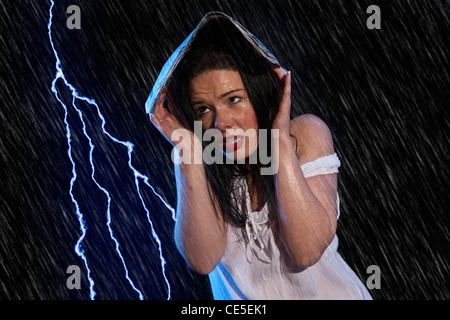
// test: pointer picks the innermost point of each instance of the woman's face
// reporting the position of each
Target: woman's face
(220, 101)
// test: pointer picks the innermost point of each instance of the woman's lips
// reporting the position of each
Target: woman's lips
(233, 143)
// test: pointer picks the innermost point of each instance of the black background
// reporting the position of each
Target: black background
(383, 93)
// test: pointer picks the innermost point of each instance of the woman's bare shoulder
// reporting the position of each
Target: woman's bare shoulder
(313, 138)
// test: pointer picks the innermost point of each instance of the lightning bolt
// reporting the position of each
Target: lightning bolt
(137, 175)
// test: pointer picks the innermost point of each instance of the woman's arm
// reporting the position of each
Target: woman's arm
(199, 230)
(306, 207)
(200, 233)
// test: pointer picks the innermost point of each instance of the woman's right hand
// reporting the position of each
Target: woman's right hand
(168, 124)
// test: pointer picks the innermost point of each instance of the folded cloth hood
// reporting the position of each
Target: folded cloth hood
(180, 52)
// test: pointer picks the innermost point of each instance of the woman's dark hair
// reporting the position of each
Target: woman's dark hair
(264, 91)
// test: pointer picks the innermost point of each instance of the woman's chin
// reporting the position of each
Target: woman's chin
(242, 156)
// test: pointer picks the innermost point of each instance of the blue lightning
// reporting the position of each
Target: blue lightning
(137, 175)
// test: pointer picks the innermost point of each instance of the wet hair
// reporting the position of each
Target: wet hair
(264, 91)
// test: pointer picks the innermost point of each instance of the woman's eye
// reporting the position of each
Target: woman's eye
(202, 110)
(234, 100)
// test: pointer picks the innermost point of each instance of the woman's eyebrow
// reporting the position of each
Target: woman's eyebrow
(220, 97)
(197, 102)
(229, 92)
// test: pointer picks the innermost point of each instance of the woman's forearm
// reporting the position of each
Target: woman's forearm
(199, 230)
(304, 222)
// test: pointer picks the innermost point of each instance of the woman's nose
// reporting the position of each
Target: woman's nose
(224, 119)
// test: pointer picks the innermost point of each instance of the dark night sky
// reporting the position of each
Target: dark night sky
(383, 93)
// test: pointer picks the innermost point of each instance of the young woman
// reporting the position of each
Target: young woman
(258, 236)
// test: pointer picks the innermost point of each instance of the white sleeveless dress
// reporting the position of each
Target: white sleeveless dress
(257, 266)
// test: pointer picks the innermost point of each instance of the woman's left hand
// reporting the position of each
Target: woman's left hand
(282, 119)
